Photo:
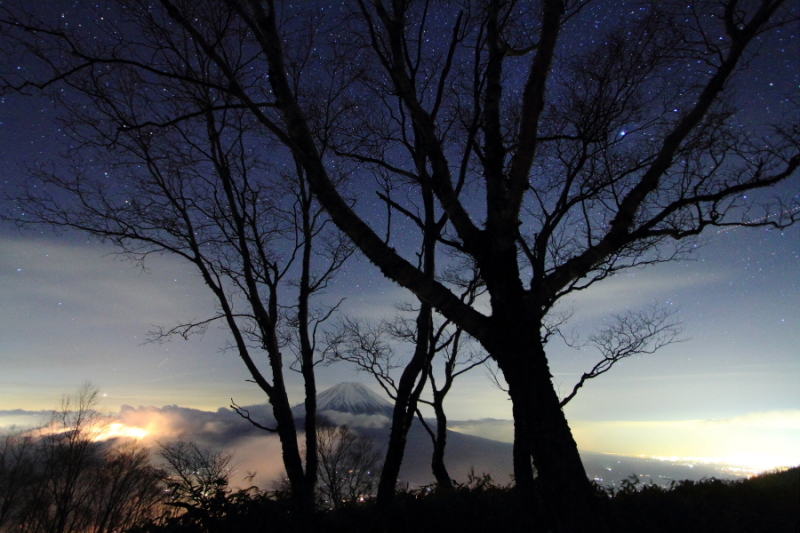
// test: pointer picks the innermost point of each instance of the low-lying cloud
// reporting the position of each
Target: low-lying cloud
(355, 421)
(488, 428)
(257, 454)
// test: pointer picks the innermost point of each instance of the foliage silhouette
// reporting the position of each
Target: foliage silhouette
(765, 503)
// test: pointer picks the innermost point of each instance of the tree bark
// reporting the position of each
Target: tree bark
(543, 434)
(304, 331)
(405, 408)
(443, 479)
(287, 432)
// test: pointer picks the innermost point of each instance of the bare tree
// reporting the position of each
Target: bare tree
(209, 189)
(448, 345)
(68, 456)
(451, 343)
(129, 490)
(362, 344)
(62, 479)
(594, 203)
(367, 346)
(348, 465)
(593, 160)
(196, 479)
(371, 348)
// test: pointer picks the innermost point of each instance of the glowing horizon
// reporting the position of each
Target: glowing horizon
(732, 445)
(738, 442)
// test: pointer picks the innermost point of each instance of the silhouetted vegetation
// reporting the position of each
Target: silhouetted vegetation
(765, 503)
(348, 465)
(242, 510)
(769, 502)
(64, 477)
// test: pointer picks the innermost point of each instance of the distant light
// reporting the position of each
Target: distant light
(118, 430)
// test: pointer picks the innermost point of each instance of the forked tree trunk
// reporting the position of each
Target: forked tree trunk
(443, 480)
(562, 491)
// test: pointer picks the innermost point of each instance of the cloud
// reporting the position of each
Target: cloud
(69, 313)
(788, 419)
(488, 428)
(757, 440)
(254, 450)
(16, 420)
(367, 298)
(218, 429)
(638, 287)
(356, 421)
(785, 419)
(259, 457)
(105, 290)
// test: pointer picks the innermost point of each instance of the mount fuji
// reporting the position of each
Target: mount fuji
(350, 398)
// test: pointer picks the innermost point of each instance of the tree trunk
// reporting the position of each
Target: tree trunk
(302, 495)
(542, 433)
(305, 334)
(405, 408)
(394, 456)
(397, 441)
(523, 468)
(443, 479)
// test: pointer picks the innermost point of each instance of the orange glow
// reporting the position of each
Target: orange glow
(115, 430)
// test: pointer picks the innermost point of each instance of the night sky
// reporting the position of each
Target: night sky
(70, 311)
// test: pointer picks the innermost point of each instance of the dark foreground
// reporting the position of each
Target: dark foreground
(769, 503)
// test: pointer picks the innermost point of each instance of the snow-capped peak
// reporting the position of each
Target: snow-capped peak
(352, 398)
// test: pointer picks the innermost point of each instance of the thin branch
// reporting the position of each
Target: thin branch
(244, 413)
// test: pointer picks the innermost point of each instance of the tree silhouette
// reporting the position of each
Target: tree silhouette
(61, 479)
(17, 462)
(206, 190)
(369, 346)
(555, 166)
(348, 465)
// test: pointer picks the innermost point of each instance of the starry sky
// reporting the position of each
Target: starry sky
(71, 311)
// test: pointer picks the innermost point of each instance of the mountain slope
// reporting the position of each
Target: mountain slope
(350, 398)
